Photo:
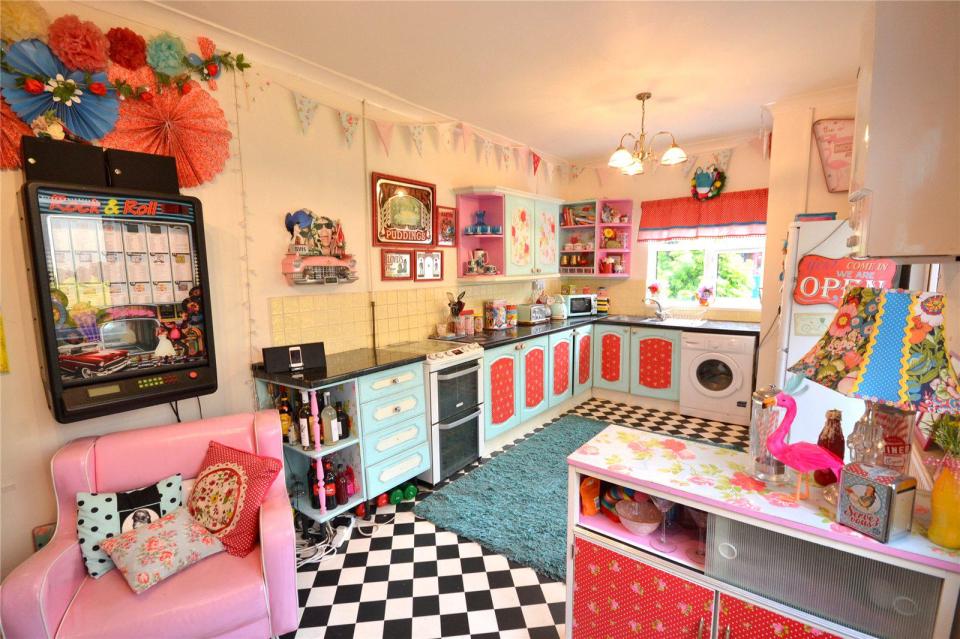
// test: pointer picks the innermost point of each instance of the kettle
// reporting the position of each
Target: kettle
(558, 308)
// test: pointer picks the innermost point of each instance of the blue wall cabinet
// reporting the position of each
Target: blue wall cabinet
(655, 363)
(546, 246)
(582, 359)
(501, 382)
(611, 357)
(518, 229)
(560, 375)
(534, 365)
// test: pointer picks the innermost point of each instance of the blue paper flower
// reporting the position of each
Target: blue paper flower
(87, 115)
(165, 54)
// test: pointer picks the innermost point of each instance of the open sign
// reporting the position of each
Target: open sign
(822, 280)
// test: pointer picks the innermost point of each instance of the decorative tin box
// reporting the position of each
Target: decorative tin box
(876, 501)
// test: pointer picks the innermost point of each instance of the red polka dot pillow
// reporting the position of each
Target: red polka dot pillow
(227, 495)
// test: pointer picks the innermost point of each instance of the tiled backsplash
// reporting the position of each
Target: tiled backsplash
(344, 321)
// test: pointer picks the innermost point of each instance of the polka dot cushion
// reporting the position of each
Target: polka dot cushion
(228, 492)
(103, 516)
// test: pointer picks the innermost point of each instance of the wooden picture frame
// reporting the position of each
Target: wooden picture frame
(392, 265)
(445, 231)
(404, 211)
(428, 266)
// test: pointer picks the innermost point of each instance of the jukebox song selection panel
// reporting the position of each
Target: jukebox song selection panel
(117, 262)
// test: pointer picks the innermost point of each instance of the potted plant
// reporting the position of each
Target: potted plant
(945, 497)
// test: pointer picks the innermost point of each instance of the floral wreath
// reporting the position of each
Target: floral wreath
(706, 184)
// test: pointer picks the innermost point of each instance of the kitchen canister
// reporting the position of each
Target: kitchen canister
(495, 315)
(512, 316)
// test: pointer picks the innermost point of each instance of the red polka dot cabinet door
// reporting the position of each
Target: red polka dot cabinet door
(502, 401)
(617, 596)
(561, 367)
(533, 363)
(749, 621)
(656, 363)
(610, 347)
(584, 359)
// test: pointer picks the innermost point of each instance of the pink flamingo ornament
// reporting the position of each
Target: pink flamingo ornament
(803, 457)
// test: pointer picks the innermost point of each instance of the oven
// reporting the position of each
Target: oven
(580, 305)
(455, 409)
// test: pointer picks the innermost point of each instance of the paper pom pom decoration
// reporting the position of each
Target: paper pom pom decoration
(79, 45)
(12, 129)
(127, 48)
(190, 126)
(86, 113)
(23, 21)
(165, 54)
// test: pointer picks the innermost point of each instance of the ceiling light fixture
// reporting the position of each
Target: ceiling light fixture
(634, 162)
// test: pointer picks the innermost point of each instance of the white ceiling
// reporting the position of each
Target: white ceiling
(561, 76)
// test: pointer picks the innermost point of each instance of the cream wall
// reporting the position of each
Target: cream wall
(273, 168)
(747, 170)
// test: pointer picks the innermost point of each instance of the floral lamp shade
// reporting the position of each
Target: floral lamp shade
(887, 346)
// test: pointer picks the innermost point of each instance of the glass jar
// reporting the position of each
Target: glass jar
(945, 504)
(764, 419)
(831, 438)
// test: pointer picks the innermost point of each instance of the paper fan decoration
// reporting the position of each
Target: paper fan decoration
(190, 126)
(13, 129)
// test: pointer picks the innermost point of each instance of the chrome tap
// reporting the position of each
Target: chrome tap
(660, 314)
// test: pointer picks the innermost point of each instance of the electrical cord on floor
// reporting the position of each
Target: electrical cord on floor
(308, 553)
(375, 526)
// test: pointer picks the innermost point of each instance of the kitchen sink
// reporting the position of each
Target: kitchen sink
(670, 321)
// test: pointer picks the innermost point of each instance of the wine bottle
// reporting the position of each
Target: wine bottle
(331, 426)
(286, 418)
(293, 433)
(342, 496)
(344, 419)
(329, 485)
(313, 486)
(305, 417)
(314, 421)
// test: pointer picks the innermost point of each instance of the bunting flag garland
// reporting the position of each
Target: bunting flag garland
(722, 158)
(306, 109)
(466, 132)
(575, 171)
(416, 136)
(506, 153)
(536, 162)
(487, 150)
(599, 177)
(385, 133)
(445, 134)
(348, 122)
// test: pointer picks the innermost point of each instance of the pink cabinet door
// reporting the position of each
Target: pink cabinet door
(618, 596)
(742, 620)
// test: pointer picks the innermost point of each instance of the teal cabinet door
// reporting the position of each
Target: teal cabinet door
(546, 247)
(501, 375)
(582, 358)
(533, 377)
(655, 363)
(518, 228)
(560, 372)
(611, 353)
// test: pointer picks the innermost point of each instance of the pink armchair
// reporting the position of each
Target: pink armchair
(51, 595)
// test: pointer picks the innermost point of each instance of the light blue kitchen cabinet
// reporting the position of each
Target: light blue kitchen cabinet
(546, 243)
(518, 228)
(501, 389)
(534, 365)
(582, 358)
(611, 357)
(655, 363)
(560, 374)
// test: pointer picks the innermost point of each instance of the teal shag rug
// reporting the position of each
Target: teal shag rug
(516, 503)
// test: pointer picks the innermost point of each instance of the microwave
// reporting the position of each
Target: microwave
(579, 305)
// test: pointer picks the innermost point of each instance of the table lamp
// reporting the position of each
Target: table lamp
(886, 347)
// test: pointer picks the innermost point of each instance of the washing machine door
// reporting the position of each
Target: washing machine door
(715, 375)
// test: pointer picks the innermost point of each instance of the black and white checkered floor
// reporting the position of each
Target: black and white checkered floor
(411, 579)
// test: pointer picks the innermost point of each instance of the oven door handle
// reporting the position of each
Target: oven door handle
(462, 420)
(466, 371)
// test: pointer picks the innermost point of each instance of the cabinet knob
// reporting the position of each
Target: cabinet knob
(395, 380)
(397, 409)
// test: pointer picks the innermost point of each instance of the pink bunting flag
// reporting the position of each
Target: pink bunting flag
(416, 136)
(385, 133)
(536, 162)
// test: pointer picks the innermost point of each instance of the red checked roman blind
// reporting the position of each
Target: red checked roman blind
(733, 214)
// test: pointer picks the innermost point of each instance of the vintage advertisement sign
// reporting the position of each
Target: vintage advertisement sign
(821, 280)
(403, 211)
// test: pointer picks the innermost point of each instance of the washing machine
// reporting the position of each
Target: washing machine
(716, 376)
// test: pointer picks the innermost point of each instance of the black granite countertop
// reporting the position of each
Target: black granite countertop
(493, 339)
(707, 326)
(350, 364)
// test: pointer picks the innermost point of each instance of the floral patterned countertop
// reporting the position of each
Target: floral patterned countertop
(719, 478)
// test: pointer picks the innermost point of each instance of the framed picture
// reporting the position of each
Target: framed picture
(396, 265)
(429, 266)
(404, 211)
(446, 231)
(835, 143)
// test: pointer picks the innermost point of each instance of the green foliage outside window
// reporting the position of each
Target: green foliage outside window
(681, 273)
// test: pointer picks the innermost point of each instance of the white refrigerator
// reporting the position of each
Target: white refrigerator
(802, 324)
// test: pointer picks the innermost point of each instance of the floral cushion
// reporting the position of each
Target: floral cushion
(105, 515)
(228, 492)
(149, 554)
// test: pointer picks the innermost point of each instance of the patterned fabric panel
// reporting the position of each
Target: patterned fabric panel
(656, 361)
(561, 368)
(615, 596)
(748, 621)
(610, 345)
(583, 367)
(533, 363)
(501, 390)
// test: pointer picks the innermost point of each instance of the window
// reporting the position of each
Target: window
(732, 266)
